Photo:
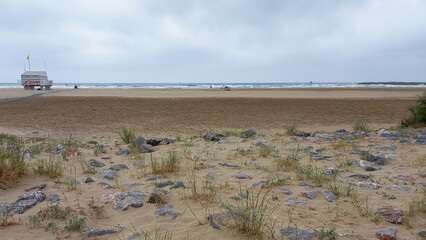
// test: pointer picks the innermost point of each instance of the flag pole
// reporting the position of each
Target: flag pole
(29, 62)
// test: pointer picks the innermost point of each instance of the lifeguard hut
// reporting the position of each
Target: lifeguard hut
(31, 79)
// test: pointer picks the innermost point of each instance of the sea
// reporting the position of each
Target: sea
(217, 85)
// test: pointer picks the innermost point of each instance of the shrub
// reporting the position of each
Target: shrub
(52, 168)
(291, 130)
(361, 126)
(12, 164)
(252, 213)
(127, 134)
(418, 113)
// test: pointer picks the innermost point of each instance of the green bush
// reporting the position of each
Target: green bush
(127, 134)
(418, 113)
(361, 126)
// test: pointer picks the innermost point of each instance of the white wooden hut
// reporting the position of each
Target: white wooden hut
(30, 79)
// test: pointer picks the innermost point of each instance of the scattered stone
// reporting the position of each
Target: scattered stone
(300, 133)
(153, 177)
(260, 143)
(178, 185)
(311, 194)
(366, 165)
(56, 186)
(96, 163)
(286, 191)
(53, 197)
(164, 183)
(138, 141)
(39, 187)
(391, 215)
(211, 175)
(153, 141)
(222, 141)
(25, 202)
(106, 185)
(328, 195)
(307, 149)
(304, 184)
(219, 220)
(108, 174)
(391, 148)
(28, 155)
(138, 163)
(241, 176)
(211, 137)
(164, 210)
(324, 135)
(368, 185)
(297, 233)
(146, 148)
(123, 200)
(135, 235)
(59, 149)
(258, 183)
(403, 177)
(422, 234)
(397, 187)
(350, 235)
(377, 159)
(318, 158)
(170, 140)
(360, 175)
(389, 234)
(95, 232)
(132, 184)
(331, 171)
(248, 133)
(228, 165)
(404, 140)
(294, 200)
(118, 167)
(124, 151)
(88, 180)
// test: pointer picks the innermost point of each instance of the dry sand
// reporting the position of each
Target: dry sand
(188, 114)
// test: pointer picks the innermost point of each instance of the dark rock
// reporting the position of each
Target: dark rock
(404, 140)
(304, 184)
(39, 187)
(300, 133)
(329, 196)
(124, 200)
(248, 133)
(124, 151)
(297, 233)
(88, 180)
(242, 176)
(95, 232)
(360, 175)
(228, 165)
(317, 158)
(132, 184)
(25, 202)
(211, 137)
(153, 141)
(391, 215)
(391, 148)
(96, 163)
(118, 167)
(260, 143)
(28, 155)
(153, 177)
(377, 159)
(106, 185)
(146, 148)
(164, 210)
(340, 131)
(56, 186)
(53, 197)
(108, 174)
(422, 234)
(286, 191)
(170, 140)
(164, 183)
(307, 149)
(397, 187)
(311, 194)
(135, 235)
(420, 142)
(59, 149)
(403, 177)
(366, 165)
(389, 234)
(178, 185)
(138, 141)
(293, 200)
(323, 135)
(331, 171)
(219, 220)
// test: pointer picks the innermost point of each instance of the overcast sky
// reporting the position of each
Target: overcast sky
(215, 41)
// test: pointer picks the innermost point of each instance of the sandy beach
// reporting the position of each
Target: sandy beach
(186, 116)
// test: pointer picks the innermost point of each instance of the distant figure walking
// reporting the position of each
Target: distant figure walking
(75, 87)
(227, 88)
